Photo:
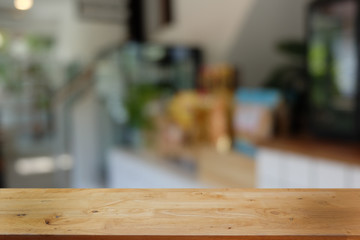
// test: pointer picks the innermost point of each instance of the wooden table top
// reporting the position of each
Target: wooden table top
(179, 214)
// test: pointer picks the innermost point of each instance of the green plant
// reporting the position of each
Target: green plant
(291, 80)
(10, 74)
(137, 98)
(39, 43)
(291, 75)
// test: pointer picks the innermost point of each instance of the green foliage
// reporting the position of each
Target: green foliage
(292, 48)
(10, 73)
(12, 70)
(290, 76)
(138, 97)
(39, 43)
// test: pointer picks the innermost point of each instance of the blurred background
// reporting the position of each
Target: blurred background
(179, 93)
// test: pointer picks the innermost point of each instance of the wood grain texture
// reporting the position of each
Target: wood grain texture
(179, 214)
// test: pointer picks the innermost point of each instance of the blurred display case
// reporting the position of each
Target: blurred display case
(333, 67)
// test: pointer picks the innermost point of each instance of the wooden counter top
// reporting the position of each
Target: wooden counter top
(179, 214)
(347, 152)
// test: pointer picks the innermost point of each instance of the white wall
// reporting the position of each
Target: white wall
(81, 40)
(269, 22)
(243, 32)
(211, 24)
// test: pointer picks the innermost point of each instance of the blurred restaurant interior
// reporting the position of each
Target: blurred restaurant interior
(179, 94)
